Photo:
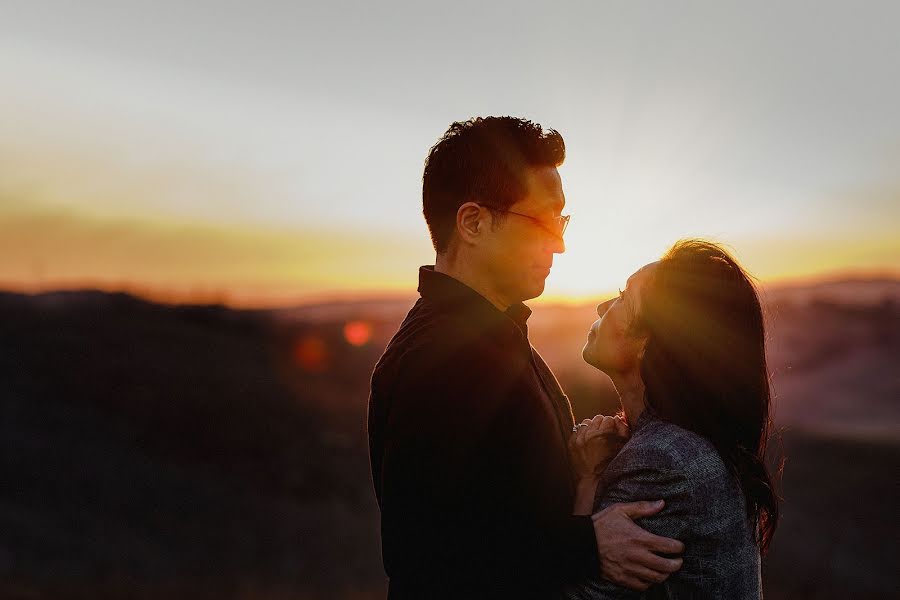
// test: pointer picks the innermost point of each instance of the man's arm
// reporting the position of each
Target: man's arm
(630, 555)
(627, 552)
(629, 531)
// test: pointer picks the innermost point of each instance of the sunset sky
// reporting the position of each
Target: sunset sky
(271, 153)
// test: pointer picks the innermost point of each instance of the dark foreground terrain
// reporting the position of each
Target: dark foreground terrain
(153, 451)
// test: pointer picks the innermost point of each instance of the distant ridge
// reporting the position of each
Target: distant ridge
(846, 290)
(376, 308)
(839, 287)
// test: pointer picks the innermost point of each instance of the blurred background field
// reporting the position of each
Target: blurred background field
(203, 452)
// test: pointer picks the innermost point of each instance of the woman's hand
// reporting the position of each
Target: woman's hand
(594, 444)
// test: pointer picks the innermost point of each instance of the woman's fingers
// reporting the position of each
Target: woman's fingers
(598, 448)
(581, 436)
(612, 436)
(600, 422)
(622, 427)
(603, 431)
(608, 425)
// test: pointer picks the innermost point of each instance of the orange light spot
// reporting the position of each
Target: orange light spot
(357, 333)
(311, 354)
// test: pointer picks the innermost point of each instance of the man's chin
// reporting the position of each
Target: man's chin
(533, 291)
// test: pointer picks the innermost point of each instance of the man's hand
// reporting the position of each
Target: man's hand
(627, 552)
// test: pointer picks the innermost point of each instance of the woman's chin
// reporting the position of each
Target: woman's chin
(597, 362)
(588, 356)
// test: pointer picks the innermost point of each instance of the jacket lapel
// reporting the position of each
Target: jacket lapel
(561, 407)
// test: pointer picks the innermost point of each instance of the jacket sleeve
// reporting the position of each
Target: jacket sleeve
(462, 496)
(642, 473)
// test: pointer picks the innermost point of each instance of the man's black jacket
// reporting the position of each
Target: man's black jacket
(467, 439)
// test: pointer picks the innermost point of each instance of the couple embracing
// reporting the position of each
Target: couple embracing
(487, 487)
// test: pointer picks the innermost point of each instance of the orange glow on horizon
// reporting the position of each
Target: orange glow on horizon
(257, 268)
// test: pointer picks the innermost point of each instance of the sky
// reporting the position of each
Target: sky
(271, 152)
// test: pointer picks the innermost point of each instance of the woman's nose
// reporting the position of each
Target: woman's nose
(604, 306)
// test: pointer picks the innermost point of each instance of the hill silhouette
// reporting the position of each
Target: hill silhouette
(198, 451)
(150, 448)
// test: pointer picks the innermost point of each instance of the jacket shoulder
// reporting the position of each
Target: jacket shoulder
(665, 446)
(443, 333)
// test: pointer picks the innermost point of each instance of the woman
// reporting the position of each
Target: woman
(684, 345)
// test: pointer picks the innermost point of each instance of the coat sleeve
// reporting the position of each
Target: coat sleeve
(642, 473)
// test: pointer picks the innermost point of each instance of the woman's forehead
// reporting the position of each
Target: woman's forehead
(636, 282)
(641, 275)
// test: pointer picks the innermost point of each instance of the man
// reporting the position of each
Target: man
(468, 427)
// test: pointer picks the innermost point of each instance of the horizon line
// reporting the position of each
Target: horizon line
(287, 301)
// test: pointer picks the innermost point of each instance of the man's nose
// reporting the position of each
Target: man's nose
(557, 245)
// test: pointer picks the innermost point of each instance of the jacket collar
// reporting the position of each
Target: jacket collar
(648, 415)
(444, 290)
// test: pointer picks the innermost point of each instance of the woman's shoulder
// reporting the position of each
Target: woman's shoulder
(703, 498)
(704, 507)
(659, 444)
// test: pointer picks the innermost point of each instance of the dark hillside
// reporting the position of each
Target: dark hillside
(154, 451)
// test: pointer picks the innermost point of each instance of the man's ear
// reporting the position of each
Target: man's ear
(471, 222)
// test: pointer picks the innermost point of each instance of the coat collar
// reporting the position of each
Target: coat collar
(446, 291)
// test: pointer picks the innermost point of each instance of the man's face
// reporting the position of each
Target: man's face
(519, 253)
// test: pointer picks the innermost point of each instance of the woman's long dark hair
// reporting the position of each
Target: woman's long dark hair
(704, 365)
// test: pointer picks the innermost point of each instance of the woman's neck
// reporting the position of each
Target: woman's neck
(630, 388)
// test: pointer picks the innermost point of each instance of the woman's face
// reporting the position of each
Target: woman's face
(610, 346)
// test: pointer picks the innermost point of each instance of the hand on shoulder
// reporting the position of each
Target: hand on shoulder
(595, 442)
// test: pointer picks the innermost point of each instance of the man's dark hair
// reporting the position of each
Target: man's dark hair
(483, 160)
